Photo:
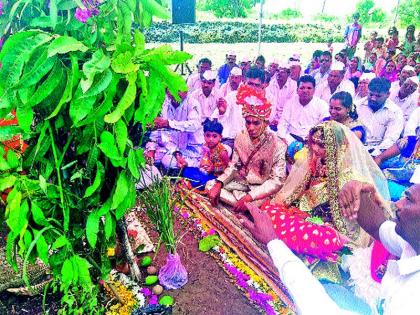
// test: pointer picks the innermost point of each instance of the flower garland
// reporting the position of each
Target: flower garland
(255, 288)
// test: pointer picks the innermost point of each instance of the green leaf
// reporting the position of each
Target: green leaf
(25, 116)
(100, 171)
(60, 242)
(7, 182)
(67, 273)
(125, 102)
(83, 270)
(48, 86)
(102, 83)
(128, 202)
(65, 44)
(42, 66)
(92, 228)
(12, 159)
(43, 184)
(139, 42)
(38, 215)
(80, 107)
(133, 165)
(15, 217)
(108, 146)
(8, 132)
(121, 190)
(41, 247)
(97, 64)
(155, 9)
(53, 13)
(109, 224)
(121, 135)
(122, 63)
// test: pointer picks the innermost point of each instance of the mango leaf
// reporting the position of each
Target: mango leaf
(108, 225)
(128, 202)
(97, 64)
(121, 135)
(80, 107)
(53, 13)
(122, 63)
(12, 159)
(133, 165)
(25, 116)
(67, 273)
(40, 22)
(41, 247)
(8, 132)
(48, 86)
(38, 215)
(100, 171)
(125, 102)
(108, 146)
(83, 270)
(65, 44)
(121, 190)
(155, 9)
(41, 67)
(13, 211)
(60, 242)
(139, 42)
(92, 228)
(102, 83)
(7, 182)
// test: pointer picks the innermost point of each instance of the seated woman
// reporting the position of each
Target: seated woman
(400, 160)
(215, 156)
(389, 71)
(335, 157)
(344, 111)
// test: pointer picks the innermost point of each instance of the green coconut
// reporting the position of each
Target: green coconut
(146, 261)
(166, 300)
(151, 280)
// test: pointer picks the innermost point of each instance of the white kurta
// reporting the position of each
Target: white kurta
(208, 104)
(407, 105)
(298, 119)
(323, 91)
(279, 96)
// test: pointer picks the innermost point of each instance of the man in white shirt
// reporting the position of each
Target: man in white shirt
(177, 139)
(321, 74)
(407, 96)
(335, 82)
(235, 78)
(406, 72)
(359, 201)
(302, 112)
(194, 80)
(279, 91)
(383, 119)
(207, 96)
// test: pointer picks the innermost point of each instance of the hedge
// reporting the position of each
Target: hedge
(239, 32)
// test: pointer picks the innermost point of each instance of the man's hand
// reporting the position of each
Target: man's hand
(214, 193)
(161, 123)
(378, 160)
(262, 227)
(150, 157)
(180, 161)
(221, 105)
(240, 206)
(349, 197)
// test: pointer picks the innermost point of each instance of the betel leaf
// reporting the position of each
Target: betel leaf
(97, 64)
(108, 146)
(100, 171)
(121, 135)
(92, 228)
(125, 102)
(121, 190)
(65, 44)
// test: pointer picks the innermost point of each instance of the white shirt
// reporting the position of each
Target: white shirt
(401, 282)
(407, 105)
(225, 89)
(185, 133)
(298, 119)
(279, 96)
(208, 104)
(194, 82)
(323, 91)
(399, 286)
(413, 123)
(232, 120)
(395, 87)
(319, 77)
(383, 127)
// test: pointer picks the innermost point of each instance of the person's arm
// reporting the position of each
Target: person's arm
(230, 171)
(193, 122)
(387, 154)
(284, 125)
(393, 131)
(306, 291)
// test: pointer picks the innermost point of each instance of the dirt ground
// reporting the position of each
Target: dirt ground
(209, 289)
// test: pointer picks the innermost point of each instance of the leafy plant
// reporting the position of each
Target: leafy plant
(288, 14)
(409, 12)
(81, 79)
(228, 8)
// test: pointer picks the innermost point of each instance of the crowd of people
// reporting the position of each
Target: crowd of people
(294, 140)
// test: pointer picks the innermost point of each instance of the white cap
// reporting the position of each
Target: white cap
(293, 63)
(415, 179)
(284, 65)
(210, 75)
(337, 66)
(367, 76)
(414, 79)
(231, 53)
(408, 68)
(246, 59)
(296, 57)
(236, 71)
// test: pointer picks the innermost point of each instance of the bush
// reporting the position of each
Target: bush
(288, 14)
(239, 32)
(325, 18)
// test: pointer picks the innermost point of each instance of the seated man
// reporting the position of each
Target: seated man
(302, 112)
(279, 91)
(321, 74)
(235, 78)
(407, 96)
(400, 237)
(208, 95)
(258, 166)
(224, 71)
(177, 136)
(383, 119)
(406, 72)
(193, 81)
(335, 83)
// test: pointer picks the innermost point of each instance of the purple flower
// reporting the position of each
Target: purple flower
(82, 14)
(91, 8)
(146, 291)
(153, 300)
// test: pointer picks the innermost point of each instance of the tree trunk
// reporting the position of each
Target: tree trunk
(323, 6)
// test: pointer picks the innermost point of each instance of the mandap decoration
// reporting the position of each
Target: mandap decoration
(82, 84)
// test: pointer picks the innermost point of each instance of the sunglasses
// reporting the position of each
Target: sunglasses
(254, 84)
(324, 60)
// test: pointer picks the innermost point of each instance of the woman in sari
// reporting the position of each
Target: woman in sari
(389, 71)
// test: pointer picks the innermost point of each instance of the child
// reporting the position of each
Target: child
(215, 156)
(392, 41)
(369, 65)
(370, 45)
(379, 49)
